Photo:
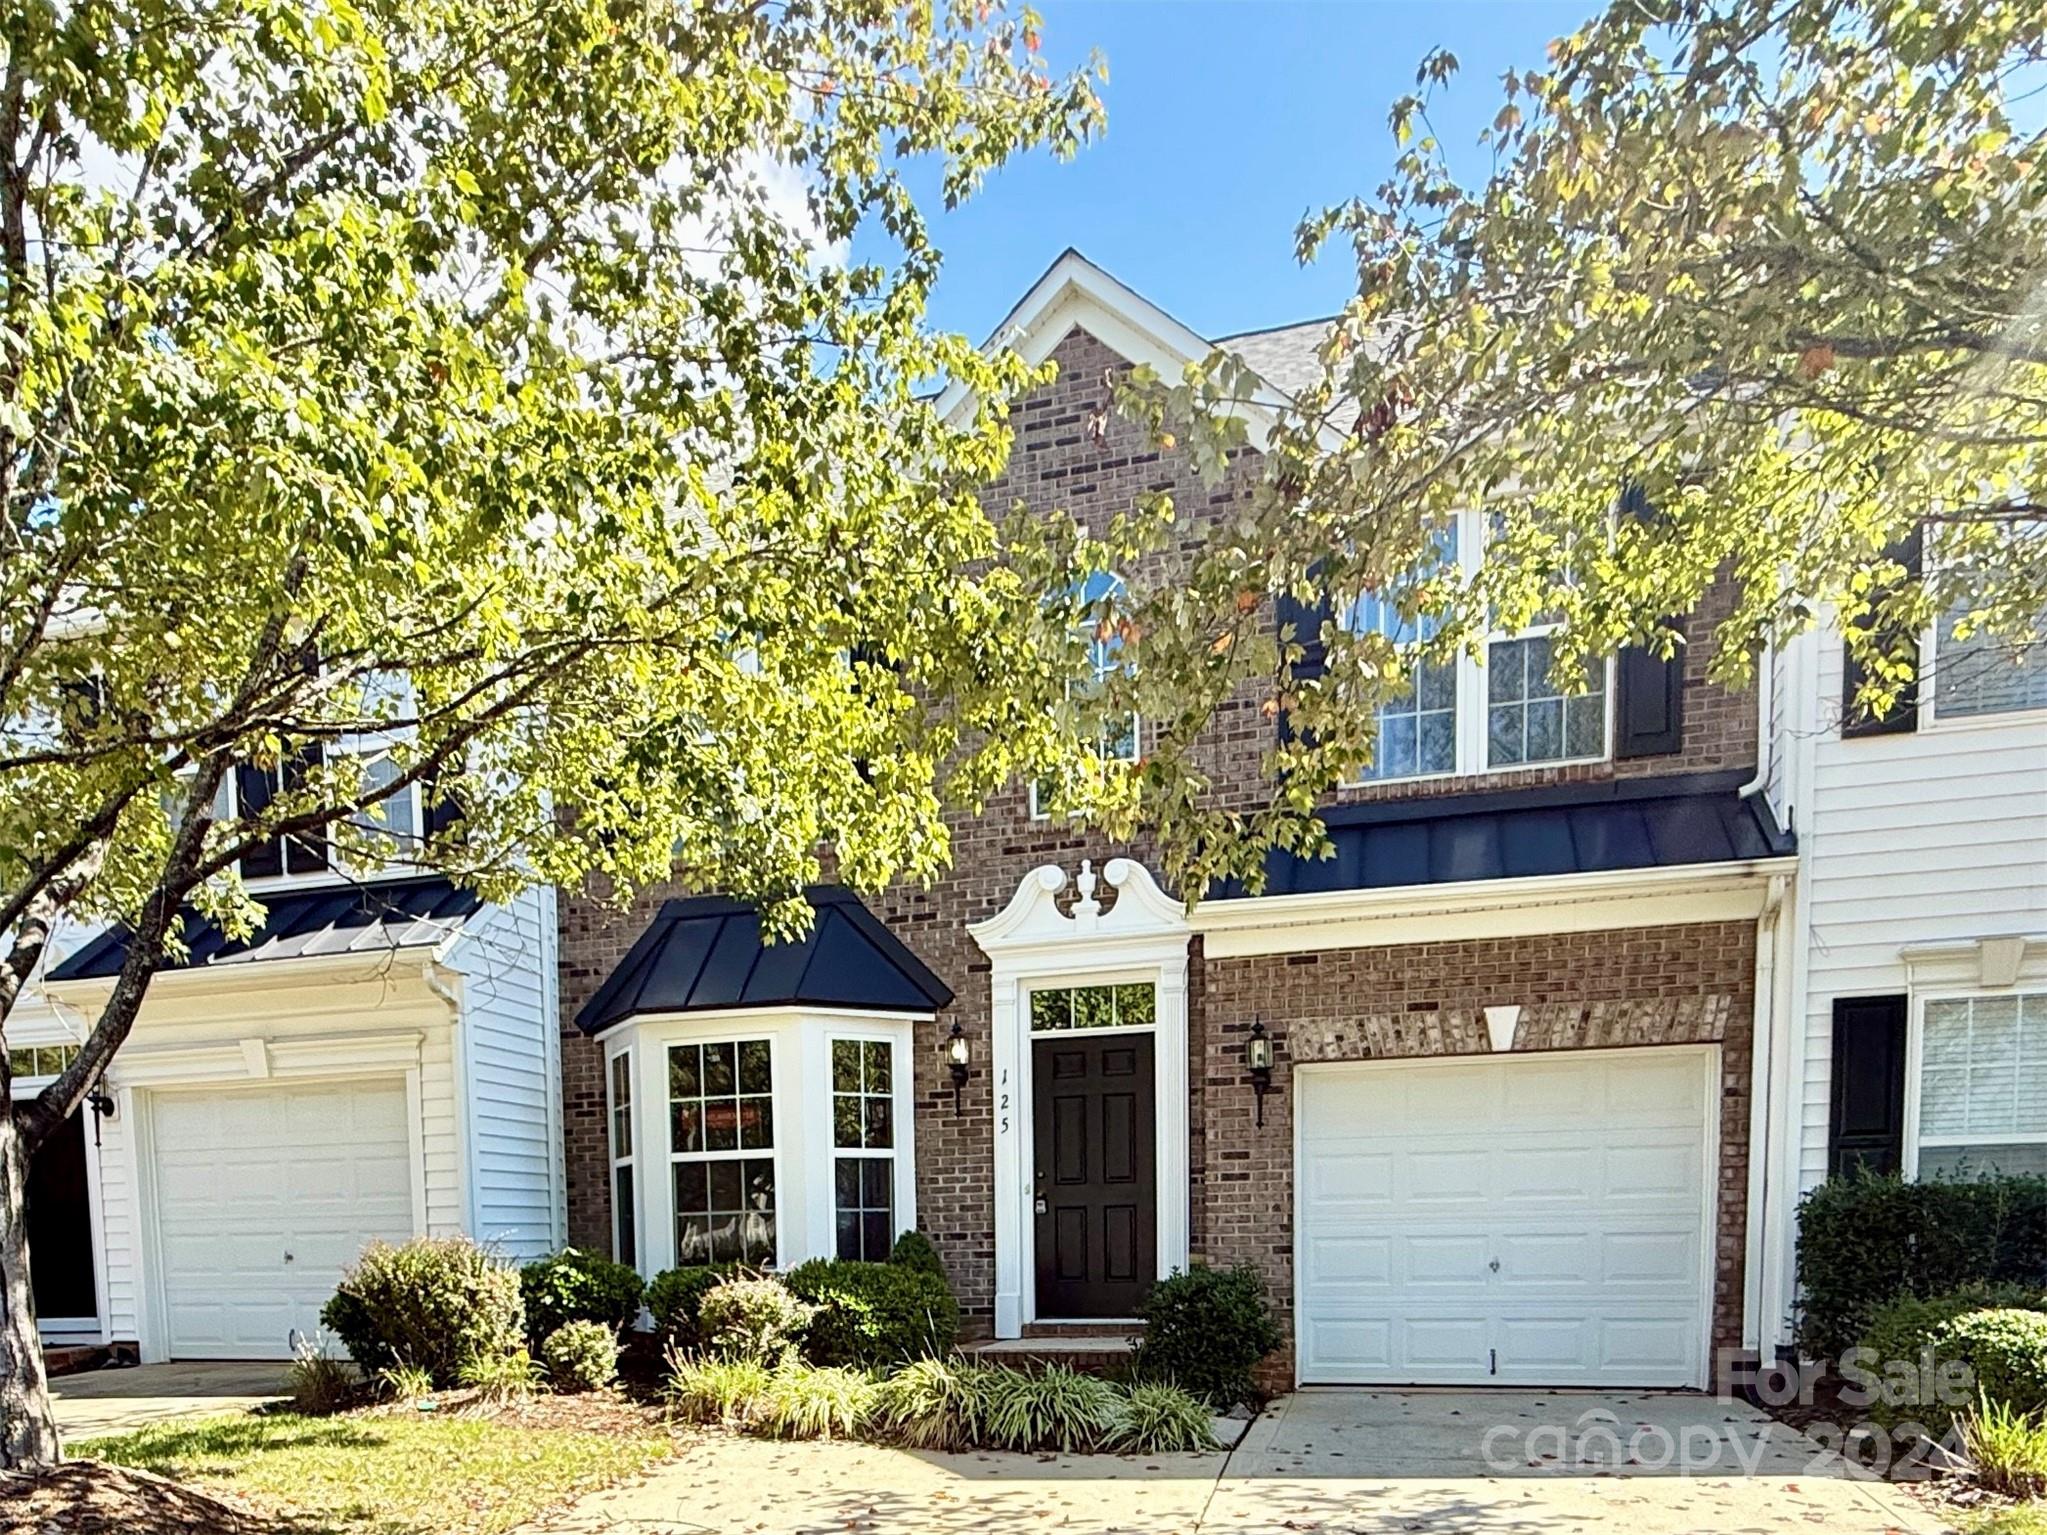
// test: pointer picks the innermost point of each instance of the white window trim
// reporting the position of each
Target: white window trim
(1930, 720)
(1921, 996)
(799, 1062)
(1031, 942)
(1470, 759)
(613, 1160)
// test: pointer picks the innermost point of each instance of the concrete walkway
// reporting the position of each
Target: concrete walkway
(1338, 1462)
(116, 1401)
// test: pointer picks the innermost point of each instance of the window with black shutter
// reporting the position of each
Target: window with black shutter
(1302, 623)
(1649, 689)
(255, 788)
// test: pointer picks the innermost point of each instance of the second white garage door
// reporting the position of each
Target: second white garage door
(263, 1196)
(1532, 1220)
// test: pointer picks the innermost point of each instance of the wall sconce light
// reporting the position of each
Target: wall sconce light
(957, 1054)
(101, 1102)
(1258, 1056)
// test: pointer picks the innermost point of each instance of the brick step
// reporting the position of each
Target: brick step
(74, 1360)
(1089, 1353)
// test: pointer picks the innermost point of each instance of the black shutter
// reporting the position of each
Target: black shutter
(254, 789)
(1866, 1120)
(1904, 715)
(1303, 623)
(440, 798)
(1649, 691)
(1649, 703)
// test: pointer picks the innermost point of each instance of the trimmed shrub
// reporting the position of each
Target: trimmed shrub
(754, 1319)
(2009, 1448)
(575, 1285)
(1159, 1419)
(913, 1250)
(2006, 1352)
(435, 1302)
(1863, 1241)
(1054, 1409)
(930, 1404)
(499, 1378)
(1907, 1343)
(677, 1295)
(715, 1390)
(1204, 1331)
(805, 1403)
(581, 1356)
(874, 1315)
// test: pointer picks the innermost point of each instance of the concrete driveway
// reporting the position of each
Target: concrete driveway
(116, 1401)
(1338, 1462)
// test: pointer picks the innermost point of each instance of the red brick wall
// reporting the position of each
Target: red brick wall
(1054, 464)
(1643, 987)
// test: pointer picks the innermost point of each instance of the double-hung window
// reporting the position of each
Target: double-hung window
(1466, 716)
(721, 1108)
(624, 1217)
(1983, 1085)
(1116, 739)
(863, 1147)
(1975, 674)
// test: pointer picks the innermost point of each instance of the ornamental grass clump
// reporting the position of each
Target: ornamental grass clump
(1054, 1409)
(1159, 1419)
(803, 1402)
(931, 1404)
(702, 1389)
(2008, 1447)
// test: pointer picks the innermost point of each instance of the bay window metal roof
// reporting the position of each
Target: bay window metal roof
(706, 952)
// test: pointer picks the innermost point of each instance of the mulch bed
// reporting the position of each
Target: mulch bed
(598, 1412)
(85, 1497)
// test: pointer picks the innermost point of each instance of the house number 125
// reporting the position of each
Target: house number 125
(1002, 1105)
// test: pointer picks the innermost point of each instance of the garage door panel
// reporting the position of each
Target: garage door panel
(263, 1196)
(1533, 1222)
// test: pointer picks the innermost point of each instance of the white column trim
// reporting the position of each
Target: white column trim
(1143, 936)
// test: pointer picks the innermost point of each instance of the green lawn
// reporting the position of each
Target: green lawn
(2014, 1519)
(378, 1475)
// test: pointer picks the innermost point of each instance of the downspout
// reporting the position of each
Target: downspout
(1766, 741)
(445, 983)
(1764, 1029)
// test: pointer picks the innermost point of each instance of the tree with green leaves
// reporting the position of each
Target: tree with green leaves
(1749, 290)
(468, 396)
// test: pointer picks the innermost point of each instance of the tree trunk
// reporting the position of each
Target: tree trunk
(28, 1430)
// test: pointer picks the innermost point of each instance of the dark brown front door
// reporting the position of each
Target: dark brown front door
(1097, 1184)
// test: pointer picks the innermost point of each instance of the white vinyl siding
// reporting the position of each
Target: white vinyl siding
(1921, 838)
(510, 1039)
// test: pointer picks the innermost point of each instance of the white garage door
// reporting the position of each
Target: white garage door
(263, 1196)
(1540, 1220)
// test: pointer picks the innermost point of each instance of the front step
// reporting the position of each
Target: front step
(1091, 1353)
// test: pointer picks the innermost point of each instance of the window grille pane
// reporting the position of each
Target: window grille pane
(1981, 675)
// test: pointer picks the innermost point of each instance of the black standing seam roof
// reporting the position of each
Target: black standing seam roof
(1636, 823)
(371, 917)
(705, 952)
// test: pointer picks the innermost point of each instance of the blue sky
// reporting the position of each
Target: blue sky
(1228, 119)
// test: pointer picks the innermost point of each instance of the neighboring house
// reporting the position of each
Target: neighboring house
(1917, 1003)
(1515, 1130)
(377, 1061)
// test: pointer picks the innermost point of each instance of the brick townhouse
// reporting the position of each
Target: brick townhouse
(1505, 1136)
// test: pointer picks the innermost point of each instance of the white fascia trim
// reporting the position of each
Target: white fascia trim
(265, 974)
(780, 1014)
(1074, 291)
(1492, 908)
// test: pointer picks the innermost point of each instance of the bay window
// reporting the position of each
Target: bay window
(1982, 1073)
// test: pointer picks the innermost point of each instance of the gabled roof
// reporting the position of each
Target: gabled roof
(706, 952)
(324, 920)
(1075, 292)
(1630, 823)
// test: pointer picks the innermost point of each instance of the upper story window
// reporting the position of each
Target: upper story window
(1463, 717)
(25, 1061)
(1975, 674)
(1118, 739)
